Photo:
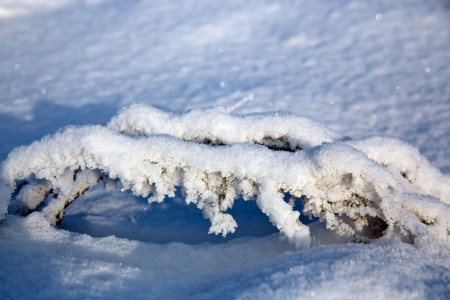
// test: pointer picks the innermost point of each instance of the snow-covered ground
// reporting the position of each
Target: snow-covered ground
(358, 67)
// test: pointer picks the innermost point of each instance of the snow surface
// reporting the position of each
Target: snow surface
(61, 264)
(359, 67)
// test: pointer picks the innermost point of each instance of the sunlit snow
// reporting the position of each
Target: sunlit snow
(350, 69)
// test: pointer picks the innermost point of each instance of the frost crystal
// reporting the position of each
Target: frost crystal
(362, 189)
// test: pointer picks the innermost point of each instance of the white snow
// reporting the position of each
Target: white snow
(15, 8)
(371, 77)
(217, 126)
(61, 264)
(334, 179)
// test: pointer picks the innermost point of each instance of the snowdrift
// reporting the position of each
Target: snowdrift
(366, 189)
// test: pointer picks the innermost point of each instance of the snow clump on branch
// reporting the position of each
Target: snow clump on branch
(279, 131)
(216, 126)
(355, 187)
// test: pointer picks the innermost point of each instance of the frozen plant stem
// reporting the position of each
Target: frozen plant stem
(279, 131)
(337, 182)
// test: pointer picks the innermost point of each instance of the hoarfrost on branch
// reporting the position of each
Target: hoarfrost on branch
(362, 189)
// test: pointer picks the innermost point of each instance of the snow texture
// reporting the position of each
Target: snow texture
(217, 126)
(279, 131)
(71, 265)
(362, 68)
(332, 179)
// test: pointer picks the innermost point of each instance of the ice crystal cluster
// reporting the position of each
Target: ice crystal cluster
(363, 189)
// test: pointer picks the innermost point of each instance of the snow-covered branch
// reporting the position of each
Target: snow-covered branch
(217, 126)
(279, 131)
(353, 194)
(405, 162)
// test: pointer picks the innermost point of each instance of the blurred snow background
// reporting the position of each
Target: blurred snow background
(359, 67)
